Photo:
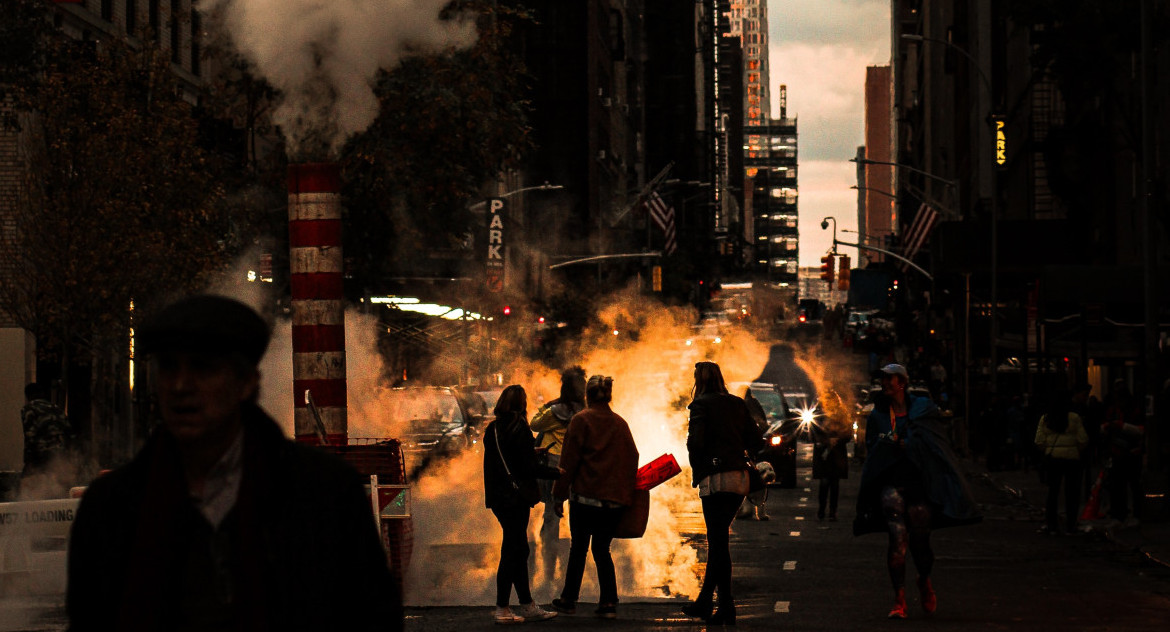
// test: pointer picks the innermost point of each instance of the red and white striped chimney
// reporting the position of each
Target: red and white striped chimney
(318, 310)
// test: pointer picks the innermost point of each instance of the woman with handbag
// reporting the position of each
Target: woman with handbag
(721, 441)
(1062, 438)
(510, 470)
(599, 465)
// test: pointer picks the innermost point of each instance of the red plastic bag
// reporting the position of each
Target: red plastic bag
(657, 472)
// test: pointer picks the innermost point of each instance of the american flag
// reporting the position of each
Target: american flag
(919, 231)
(663, 215)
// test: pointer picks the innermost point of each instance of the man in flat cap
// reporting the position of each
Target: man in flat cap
(220, 522)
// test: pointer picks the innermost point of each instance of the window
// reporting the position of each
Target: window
(107, 10)
(176, 11)
(153, 16)
(196, 36)
(131, 16)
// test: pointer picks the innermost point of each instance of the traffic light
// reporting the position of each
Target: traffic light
(843, 274)
(827, 269)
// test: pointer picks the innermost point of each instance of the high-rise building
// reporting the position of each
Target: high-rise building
(749, 22)
(770, 159)
(877, 185)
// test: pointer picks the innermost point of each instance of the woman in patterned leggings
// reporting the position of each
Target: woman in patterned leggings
(910, 485)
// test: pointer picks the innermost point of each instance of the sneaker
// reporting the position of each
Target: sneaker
(899, 609)
(606, 611)
(565, 607)
(505, 616)
(929, 599)
(533, 612)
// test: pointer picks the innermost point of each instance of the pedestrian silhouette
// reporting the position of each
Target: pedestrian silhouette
(220, 522)
(510, 473)
(721, 439)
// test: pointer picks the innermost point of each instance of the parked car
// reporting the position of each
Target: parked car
(779, 427)
(434, 423)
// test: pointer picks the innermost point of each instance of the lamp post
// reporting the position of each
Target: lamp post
(994, 264)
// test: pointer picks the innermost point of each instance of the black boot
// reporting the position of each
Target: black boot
(725, 615)
(700, 609)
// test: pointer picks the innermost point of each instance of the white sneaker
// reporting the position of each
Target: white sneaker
(505, 616)
(533, 612)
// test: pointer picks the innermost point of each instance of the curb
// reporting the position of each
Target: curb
(1147, 558)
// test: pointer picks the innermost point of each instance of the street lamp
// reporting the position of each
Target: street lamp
(539, 187)
(994, 199)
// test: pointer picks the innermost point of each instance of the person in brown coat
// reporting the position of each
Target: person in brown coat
(600, 465)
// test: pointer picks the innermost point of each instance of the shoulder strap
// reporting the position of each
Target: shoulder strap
(496, 430)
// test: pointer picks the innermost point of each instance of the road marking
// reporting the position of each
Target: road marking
(808, 489)
(804, 500)
(795, 534)
(799, 518)
(790, 566)
(781, 606)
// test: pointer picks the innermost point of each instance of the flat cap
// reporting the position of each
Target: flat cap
(209, 323)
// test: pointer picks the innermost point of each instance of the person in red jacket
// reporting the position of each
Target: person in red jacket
(600, 465)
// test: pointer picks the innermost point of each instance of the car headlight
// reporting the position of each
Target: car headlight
(777, 440)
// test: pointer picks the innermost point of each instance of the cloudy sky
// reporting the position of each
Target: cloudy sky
(820, 49)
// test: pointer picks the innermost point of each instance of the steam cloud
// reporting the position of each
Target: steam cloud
(323, 56)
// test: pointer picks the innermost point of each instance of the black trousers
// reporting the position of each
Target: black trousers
(718, 512)
(829, 490)
(1067, 471)
(513, 569)
(591, 528)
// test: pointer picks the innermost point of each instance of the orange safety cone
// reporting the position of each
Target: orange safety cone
(1092, 509)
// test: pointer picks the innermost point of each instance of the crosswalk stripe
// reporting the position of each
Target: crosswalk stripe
(781, 606)
(790, 565)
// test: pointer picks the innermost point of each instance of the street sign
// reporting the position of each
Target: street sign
(494, 269)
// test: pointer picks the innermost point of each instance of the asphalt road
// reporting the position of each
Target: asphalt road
(795, 573)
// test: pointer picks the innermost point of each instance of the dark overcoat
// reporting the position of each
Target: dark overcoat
(926, 445)
(304, 551)
(721, 436)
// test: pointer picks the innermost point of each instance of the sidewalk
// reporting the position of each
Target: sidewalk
(1150, 540)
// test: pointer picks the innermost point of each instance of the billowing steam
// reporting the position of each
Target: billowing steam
(323, 56)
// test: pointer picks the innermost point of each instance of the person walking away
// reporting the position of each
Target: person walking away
(1124, 433)
(220, 522)
(551, 421)
(910, 484)
(721, 438)
(830, 465)
(48, 439)
(510, 472)
(599, 464)
(1061, 438)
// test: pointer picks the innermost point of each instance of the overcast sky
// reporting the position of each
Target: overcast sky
(820, 49)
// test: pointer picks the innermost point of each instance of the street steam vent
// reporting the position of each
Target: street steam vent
(323, 57)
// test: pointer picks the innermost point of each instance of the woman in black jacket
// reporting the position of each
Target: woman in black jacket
(510, 470)
(721, 438)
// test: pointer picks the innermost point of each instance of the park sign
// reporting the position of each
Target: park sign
(494, 273)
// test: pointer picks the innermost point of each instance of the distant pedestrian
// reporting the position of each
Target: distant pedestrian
(1061, 438)
(755, 506)
(220, 522)
(599, 462)
(1124, 435)
(1089, 409)
(48, 440)
(510, 473)
(721, 439)
(910, 484)
(551, 421)
(830, 465)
